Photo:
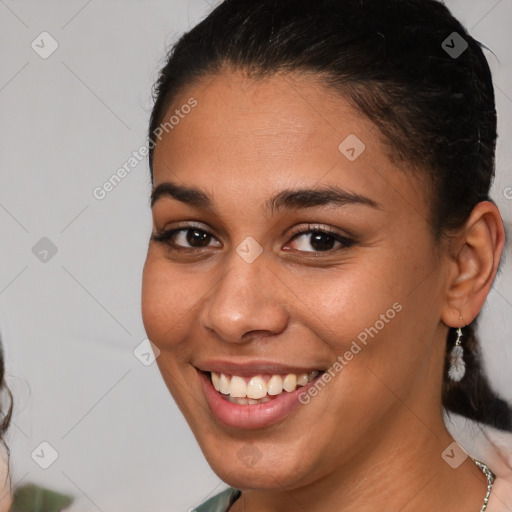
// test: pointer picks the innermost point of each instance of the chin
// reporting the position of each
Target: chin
(257, 465)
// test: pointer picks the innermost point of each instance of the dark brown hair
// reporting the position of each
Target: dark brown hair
(435, 110)
(5, 417)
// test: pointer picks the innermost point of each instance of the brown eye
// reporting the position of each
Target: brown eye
(321, 240)
(179, 238)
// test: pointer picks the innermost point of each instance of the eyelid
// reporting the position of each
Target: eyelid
(322, 228)
(345, 239)
(165, 234)
(297, 230)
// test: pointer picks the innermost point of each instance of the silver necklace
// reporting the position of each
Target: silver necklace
(490, 480)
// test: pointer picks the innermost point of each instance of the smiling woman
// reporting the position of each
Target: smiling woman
(323, 242)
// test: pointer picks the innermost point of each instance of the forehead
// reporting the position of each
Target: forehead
(252, 136)
(277, 115)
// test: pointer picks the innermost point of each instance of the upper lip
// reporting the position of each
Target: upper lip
(252, 367)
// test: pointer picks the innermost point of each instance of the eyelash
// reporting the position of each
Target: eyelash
(165, 237)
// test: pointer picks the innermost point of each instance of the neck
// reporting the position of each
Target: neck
(403, 472)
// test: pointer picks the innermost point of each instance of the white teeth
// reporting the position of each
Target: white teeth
(290, 382)
(238, 388)
(216, 380)
(275, 385)
(224, 384)
(257, 390)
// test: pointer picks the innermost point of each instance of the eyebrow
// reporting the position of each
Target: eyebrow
(290, 199)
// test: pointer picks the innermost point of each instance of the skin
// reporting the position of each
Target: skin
(372, 439)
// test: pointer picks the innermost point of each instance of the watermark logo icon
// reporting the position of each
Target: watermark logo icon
(352, 147)
(249, 455)
(146, 352)
(44, 250)
(454, 455)
(454, 45)
(44, 455)
(44, 45)
(249, 249)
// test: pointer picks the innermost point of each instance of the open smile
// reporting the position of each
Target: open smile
(254, 401)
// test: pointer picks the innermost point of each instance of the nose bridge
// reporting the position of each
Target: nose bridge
(246, 298)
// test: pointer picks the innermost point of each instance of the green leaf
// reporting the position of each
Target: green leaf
(32, 498)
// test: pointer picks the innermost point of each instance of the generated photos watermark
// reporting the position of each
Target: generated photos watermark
(355, 348)
(101, 191)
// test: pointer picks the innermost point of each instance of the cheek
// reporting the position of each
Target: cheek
(168, 300)
(344, 301)
(368, 314)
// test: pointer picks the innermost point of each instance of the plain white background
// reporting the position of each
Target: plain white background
(70, 324)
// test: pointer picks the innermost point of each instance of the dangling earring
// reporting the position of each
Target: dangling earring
(457, 364)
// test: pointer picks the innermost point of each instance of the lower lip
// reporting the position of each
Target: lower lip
(251, 417)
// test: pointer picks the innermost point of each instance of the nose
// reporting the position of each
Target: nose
(248, 300)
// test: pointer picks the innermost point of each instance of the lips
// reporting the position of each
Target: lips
(277, 388)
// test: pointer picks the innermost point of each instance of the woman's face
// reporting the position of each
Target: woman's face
(248, 286)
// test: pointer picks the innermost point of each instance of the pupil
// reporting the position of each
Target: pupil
(317, 244)
(201, 237)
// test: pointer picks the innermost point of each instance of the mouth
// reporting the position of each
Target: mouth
(258, 389)
(254, 399)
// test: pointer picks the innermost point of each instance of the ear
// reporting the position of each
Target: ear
(474, 260)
